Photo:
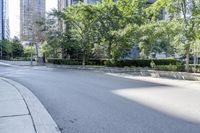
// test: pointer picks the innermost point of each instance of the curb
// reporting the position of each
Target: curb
(19, 63)
(5, 64)
(175, 75)
(42, 121)
(99, 68)
(133, 71)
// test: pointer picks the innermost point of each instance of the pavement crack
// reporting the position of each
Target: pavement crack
(14, 116)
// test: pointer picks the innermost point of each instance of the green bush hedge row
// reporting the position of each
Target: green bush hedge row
(64, 62)
(179, 68)
(22, 59)
(170, 67)
(195, 68)
(146, 62)
(120, 63)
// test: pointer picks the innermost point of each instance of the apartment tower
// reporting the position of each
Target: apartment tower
(30, 12)
(4, 20)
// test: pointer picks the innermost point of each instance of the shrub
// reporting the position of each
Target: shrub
(193, 68)
(146, 62)
(64, 62)
(170, 67)
(96, 62)
(22, 59)
(119, 63)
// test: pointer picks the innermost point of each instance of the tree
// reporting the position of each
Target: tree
(118, 23)
(7, 49)
(80, 19)
(50, 35)
(184, 13)
(29, 51)
(157, 37)
(17, 48)
(12, 49)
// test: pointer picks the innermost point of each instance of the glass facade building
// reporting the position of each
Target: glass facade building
(62, 4)
(4, 20)
(30, 12)
(65, 3)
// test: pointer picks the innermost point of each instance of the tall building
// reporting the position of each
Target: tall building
(62, 4)
(65, 3)
(4, 20)
(30, 12)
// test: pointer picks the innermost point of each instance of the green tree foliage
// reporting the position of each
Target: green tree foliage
(118, 24)
(12, 49)
(111, 25)
(7, 49)
(29, 50)
(80, 20)
(17, 48)
(184, 15)
(157, 37)
(110, 29)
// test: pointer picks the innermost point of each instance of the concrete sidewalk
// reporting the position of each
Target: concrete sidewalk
(5, 64)
(19, 63)
(21, 111)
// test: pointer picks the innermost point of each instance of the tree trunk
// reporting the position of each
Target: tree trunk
(63, 53)
(187, 59)
(37, 50)
(109, 50)
(84, 58)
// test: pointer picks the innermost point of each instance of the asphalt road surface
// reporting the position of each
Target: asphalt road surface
(92, 102)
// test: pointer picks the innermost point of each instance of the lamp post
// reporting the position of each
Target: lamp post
(31, 59)
(1, 50)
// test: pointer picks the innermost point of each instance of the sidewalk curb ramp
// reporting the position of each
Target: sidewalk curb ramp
(42, 121)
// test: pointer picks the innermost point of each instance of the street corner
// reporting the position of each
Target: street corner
(14, 114)
(21, 111)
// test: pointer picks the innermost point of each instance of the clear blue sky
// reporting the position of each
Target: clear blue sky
(14, 15)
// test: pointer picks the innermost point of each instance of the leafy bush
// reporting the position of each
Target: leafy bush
(193, 68)
(22, 59)
(96, 62)
(170, 67)
(64, 62)
(119, 63)
(146, 62)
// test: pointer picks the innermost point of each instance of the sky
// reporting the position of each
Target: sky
(14, 15)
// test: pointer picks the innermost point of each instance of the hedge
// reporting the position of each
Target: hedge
(170, 67)
(21, 59)
(146, 62)
(64, 62)
(119, 63)
(193, 68)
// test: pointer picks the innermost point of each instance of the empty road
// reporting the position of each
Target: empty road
(92, 102)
